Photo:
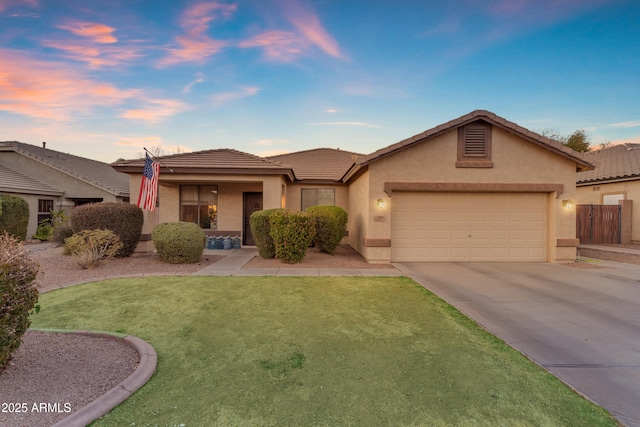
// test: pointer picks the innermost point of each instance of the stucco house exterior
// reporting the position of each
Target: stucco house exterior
(478, 188)
(615, 180)
(49, 179)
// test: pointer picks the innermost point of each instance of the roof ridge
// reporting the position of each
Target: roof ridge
(316, 149)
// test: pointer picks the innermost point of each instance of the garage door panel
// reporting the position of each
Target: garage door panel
(469, 227)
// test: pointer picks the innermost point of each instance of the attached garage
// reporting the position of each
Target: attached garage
(441, 226)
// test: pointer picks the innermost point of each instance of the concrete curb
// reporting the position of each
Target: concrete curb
(121, 392)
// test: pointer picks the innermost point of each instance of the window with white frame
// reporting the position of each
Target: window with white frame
(45, 206)
(612, 199)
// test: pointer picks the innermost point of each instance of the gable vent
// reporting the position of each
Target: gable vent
(475, 141)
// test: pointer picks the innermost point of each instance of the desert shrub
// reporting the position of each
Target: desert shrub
(14, 218)
(179, 242)
(18, 294)
(331, 223)
(44, 231)
(292, 232)
(122, 218)
(92, 246)
(260, 229)
(61, 233)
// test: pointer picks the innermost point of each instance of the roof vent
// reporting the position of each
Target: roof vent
(44, 145)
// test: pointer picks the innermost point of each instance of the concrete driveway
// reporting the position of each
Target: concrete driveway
(583, 325)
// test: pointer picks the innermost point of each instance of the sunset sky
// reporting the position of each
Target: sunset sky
(103, 78)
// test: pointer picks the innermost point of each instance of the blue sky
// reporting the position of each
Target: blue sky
(104, 78)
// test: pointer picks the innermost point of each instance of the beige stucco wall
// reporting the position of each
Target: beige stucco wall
(592, 195)
(514, 161)
(358, 224)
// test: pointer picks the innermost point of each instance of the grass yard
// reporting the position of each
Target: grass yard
(327, 351)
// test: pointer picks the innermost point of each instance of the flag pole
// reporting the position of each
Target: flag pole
(157, 159)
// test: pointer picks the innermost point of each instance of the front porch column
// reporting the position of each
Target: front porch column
(272, 192)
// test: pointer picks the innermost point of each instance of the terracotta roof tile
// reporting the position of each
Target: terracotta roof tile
(99, 174)
(319, 164)
(224, 160)
(15, 182)
(618, 162)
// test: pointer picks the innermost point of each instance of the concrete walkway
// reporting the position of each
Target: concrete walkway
(234, 260)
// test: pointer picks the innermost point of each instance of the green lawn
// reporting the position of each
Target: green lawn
(313, 351)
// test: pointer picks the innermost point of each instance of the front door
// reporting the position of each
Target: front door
(252, 203)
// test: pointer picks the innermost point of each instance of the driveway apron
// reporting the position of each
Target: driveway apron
(583, 325)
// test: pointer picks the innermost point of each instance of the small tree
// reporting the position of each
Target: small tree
(18, 294)
(578, 140)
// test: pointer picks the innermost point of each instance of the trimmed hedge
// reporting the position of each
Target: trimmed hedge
(331, 223)
(260, 229)
(123, 219)
(14, 216)
(179, 242)
(292, 233)
(18, 295)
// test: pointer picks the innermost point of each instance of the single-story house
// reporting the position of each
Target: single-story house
(615, 180)
(52, 180)
(478, 188)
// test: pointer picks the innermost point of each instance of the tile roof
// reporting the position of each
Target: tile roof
(615, 163)
(99, 174)
(224, 160)
(324, 164)
(15, 182)
(581, 161)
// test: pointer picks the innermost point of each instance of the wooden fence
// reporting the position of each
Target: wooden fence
(599, 223)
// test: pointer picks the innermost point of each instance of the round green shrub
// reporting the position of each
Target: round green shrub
(260, 229)
(179, 242)
(292, 233)
(18, 294)
(14, 216)
(124, 219)
(331, 223)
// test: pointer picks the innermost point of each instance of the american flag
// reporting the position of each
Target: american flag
(149, 185)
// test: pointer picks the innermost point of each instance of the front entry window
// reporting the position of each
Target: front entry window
(199, 204)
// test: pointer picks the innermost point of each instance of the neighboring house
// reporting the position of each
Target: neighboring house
(49, 179)
(615, 178)
(478, 188)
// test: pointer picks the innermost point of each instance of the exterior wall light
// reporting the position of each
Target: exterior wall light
(567, 204)
(380, 203)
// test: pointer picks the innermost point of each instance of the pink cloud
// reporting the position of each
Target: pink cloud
(156, 110)
(243, 92)
(195, 45)
(96, 56)
(6, 4)
(53, 91)
(278, 45)
(98, 33)
(306, 21)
